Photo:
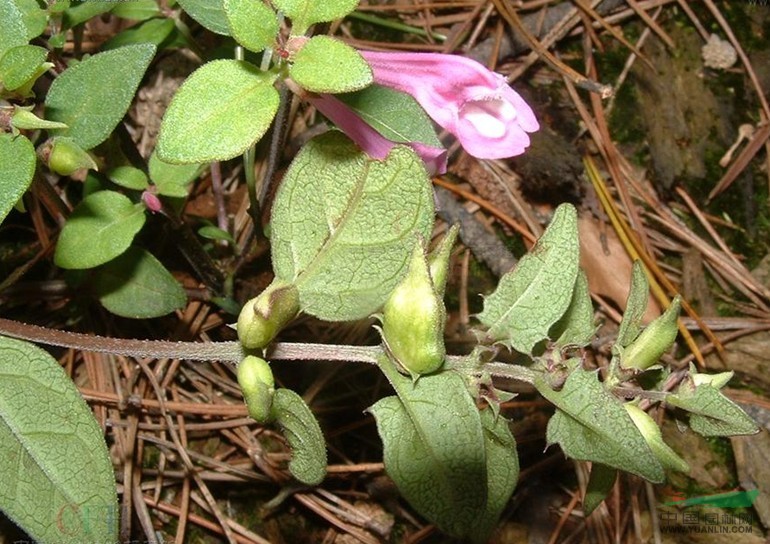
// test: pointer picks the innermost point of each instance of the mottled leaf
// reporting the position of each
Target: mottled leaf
(711, 413)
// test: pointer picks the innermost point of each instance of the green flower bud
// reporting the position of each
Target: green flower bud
(413, 319)
(65, 157)
(653, 341)
(264, 316)
(257, 385)
(439, 259)
(652, 435)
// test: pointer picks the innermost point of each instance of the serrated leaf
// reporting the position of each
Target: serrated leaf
(129, 177)
(600, 484)
(58, 483)
(100, 228)
(576, 327)
(502, 472)
(711, 413)
(395, 115)
(435, 451)
(209, 13)
(534, 295)
(344, 225)
(92, 96)
(328, 65)
(253, 24)
(223, 108)
(35, 18)
(20, 64)
(304, 13)
(301, 429)
(590, 424)
(172, 180)
(636, 306)
(155, 31)
(136, 285)
(13, 31)
(17, 168)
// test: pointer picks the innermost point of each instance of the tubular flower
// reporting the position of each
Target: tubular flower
(368, 139)
(476, 105)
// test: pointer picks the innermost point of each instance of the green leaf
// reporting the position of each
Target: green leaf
(301, 429)
(711, 413)
(344, 225)
(20, 64)
(80, 12)
(223, 108)
(328, 65)
(58, 483)
(35, 18)
(92, 96)
(209, 13)
(534, 295)
(172, 180)
(253, 24)
(154, 31)
(24, 119)
(210, 232)
(576, 327)
(434, 449)
(13, 31)
(599, 486)
(136, 285)
(17, 168)
(395, 115)
(100, 228)
(137, 10)
(502, 472)
(590, 424)
(129, 177)
(304, 13)
(636, 306)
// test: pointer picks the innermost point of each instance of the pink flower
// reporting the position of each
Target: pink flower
(368, 139)
(490, 119)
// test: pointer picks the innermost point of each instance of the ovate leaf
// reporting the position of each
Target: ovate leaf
(502, 471)
(138, 10)
(636, 305)
(129, 177)
(136, 285)
(17, 167)
(155, 31)
(92, 96)
(328, 65)
(209, 13)
(711, 413)
(20, 64)
(252, 23)
(13, 31)
(301, 429)
(35, 18)
(58, 483)
(535, 294)
(434, 449)
(590, 424)
(576, 327)
(100, 228)
(344, 225)
(599, 486)
(394, 114)
(223, 108)
(81, 12)
(304, 13)
(172, 179)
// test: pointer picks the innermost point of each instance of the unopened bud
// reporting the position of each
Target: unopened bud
(263, 317)
(413, 319)
(652, 435)
(653, 341)
(65, 157)
(257, 385)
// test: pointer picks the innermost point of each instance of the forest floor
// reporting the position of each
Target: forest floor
(664, 147)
